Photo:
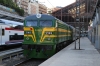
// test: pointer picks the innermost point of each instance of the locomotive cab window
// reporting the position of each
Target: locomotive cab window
(31, 23)
(2, 31)
(45, 23)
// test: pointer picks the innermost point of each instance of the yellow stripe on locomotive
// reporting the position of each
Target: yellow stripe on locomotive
(29, 33)
(47, 32)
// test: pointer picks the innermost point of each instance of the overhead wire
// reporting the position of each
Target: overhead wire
(50, 3)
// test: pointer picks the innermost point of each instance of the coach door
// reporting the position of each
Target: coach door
(1, 35)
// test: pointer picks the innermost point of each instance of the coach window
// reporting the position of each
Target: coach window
(2, 31)
(11, 25)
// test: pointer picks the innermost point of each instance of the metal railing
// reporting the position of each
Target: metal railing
(10, 15)
(5, 11)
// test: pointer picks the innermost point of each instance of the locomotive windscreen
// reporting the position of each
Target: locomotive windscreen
(31, 23)
(45, 23)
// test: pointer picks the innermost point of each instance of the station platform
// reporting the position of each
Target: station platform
(87, 56)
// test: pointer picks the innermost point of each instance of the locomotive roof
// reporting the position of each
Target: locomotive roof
(43, 17)
(72, 27)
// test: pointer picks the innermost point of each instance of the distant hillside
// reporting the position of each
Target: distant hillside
(11, 4)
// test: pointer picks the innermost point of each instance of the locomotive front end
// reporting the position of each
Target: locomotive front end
(39, 38)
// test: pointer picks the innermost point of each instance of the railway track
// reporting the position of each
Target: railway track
(14, 57)
(10, 55)
(30, 62)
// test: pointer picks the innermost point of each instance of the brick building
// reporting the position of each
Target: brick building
(42, 9)
(31, 6)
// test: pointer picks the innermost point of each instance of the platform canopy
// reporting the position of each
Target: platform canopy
(68, 13)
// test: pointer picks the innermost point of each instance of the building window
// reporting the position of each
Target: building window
(16, 1)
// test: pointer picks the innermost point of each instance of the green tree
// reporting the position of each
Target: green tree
(1, 2)
(4, 2)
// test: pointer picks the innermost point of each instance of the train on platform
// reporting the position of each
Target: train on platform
(44, 35)
(11, 33)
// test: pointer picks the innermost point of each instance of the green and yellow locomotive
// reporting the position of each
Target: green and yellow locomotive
(44, 35)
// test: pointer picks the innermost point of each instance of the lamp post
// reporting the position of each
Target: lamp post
(61, 13)
(78, 18)
(75, 34)
(83, 25)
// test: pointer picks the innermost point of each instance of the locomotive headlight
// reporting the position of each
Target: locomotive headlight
(48, 33)
(48, 39)
(27, 38)
(28, 32)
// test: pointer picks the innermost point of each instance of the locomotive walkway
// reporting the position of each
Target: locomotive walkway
(87, 56)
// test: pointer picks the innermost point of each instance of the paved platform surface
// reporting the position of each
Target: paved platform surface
(88, 56)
